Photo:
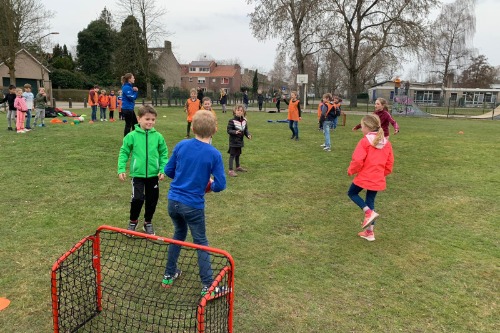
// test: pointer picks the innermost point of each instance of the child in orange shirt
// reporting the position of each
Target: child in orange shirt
(371, 162)
(103, 104)
(192, 105)
(294, 114)
(113, 103)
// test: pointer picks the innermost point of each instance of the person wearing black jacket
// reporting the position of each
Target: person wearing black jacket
(11, 113)
(237, 128)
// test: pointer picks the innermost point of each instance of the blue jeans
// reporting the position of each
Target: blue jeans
(184, 217)
(103, 113)
(326, 131)
(335, 121)
(28, 119)
(294, 127)
(94, 112)
(353, 193)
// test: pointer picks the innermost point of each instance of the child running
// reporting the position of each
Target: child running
(294, 114)
(148, 156)
(371, 162)
(21, 109)
(192, 105)
(237, 128)
(385, 117)
(190, 166)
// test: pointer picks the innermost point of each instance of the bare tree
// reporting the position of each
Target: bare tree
(362, 30)
(449, 45)
(150, 16)
(295, 21)
(22, 22)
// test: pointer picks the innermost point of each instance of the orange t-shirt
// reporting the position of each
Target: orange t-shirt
(293, 110)
(93, 98)
(112, 102)
(192, 107)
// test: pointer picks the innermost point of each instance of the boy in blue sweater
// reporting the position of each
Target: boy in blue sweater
(192, 163)
(148, 154)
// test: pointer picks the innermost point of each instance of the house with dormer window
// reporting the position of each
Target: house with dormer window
(210, 76)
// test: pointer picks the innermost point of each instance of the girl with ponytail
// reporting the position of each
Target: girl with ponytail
(371, 162)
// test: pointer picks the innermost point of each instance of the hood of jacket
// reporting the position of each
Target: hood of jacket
(371, 138)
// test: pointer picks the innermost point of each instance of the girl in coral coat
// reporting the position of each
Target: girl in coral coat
(371, 162)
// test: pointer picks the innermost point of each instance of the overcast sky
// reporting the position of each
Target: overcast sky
(220, 28)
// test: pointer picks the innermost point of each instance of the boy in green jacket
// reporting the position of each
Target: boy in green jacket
(148, 154)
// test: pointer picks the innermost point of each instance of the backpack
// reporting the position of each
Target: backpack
(337, 112)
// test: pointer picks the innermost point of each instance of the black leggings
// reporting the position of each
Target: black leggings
(144, 190)
(130, 120)
(233, 158)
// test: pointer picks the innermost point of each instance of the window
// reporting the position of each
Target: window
(224, 80)
(192, 69)
(190, 79)
(201, 80)
(213, 80)
(204, 69)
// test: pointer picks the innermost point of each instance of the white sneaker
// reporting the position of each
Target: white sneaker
(326, 149)
(21, 131)
(26, 130)
(105, 119)
(102, 120)
(323, 145)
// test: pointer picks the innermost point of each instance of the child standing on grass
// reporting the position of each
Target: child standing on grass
(371, 162)
(40, 105)
(93, 100)
(190, 166)
(385, 117)
(294, 114)
(119, 105)
(328, 116)
(192, 106)
(113, 103)
(11, 113)
(103, 104)
(223, 100)
(237, 128)
(21, 109)
(148, 156)
(29, 98)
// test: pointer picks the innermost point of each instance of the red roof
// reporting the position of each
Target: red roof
(218, 71)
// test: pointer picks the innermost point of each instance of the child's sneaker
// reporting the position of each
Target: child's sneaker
(241, 169)
(148, 228)
(168, 280)
(370, 215)
(132, 225)
(323, 145)
(10, 129)
(21, 131)
(367, 234)
(233, 173)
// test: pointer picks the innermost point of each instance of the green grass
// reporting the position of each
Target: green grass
(300, 266)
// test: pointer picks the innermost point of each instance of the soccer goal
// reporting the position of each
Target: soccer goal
(111, 282)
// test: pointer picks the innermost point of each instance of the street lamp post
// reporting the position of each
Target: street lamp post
(42, 85)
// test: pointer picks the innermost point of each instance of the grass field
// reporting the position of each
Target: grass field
(300, 266)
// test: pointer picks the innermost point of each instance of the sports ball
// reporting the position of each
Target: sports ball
(209, 186)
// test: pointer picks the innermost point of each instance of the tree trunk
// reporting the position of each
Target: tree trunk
(12, 70)
(353, 88)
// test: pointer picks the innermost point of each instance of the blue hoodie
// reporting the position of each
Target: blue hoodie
(128, 96)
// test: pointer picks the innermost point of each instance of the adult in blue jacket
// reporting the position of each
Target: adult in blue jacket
(129, 95)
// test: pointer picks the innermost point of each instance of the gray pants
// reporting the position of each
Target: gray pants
(39, 115)
(11, 116)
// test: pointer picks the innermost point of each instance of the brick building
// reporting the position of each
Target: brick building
(165, 64)
(211, 77)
